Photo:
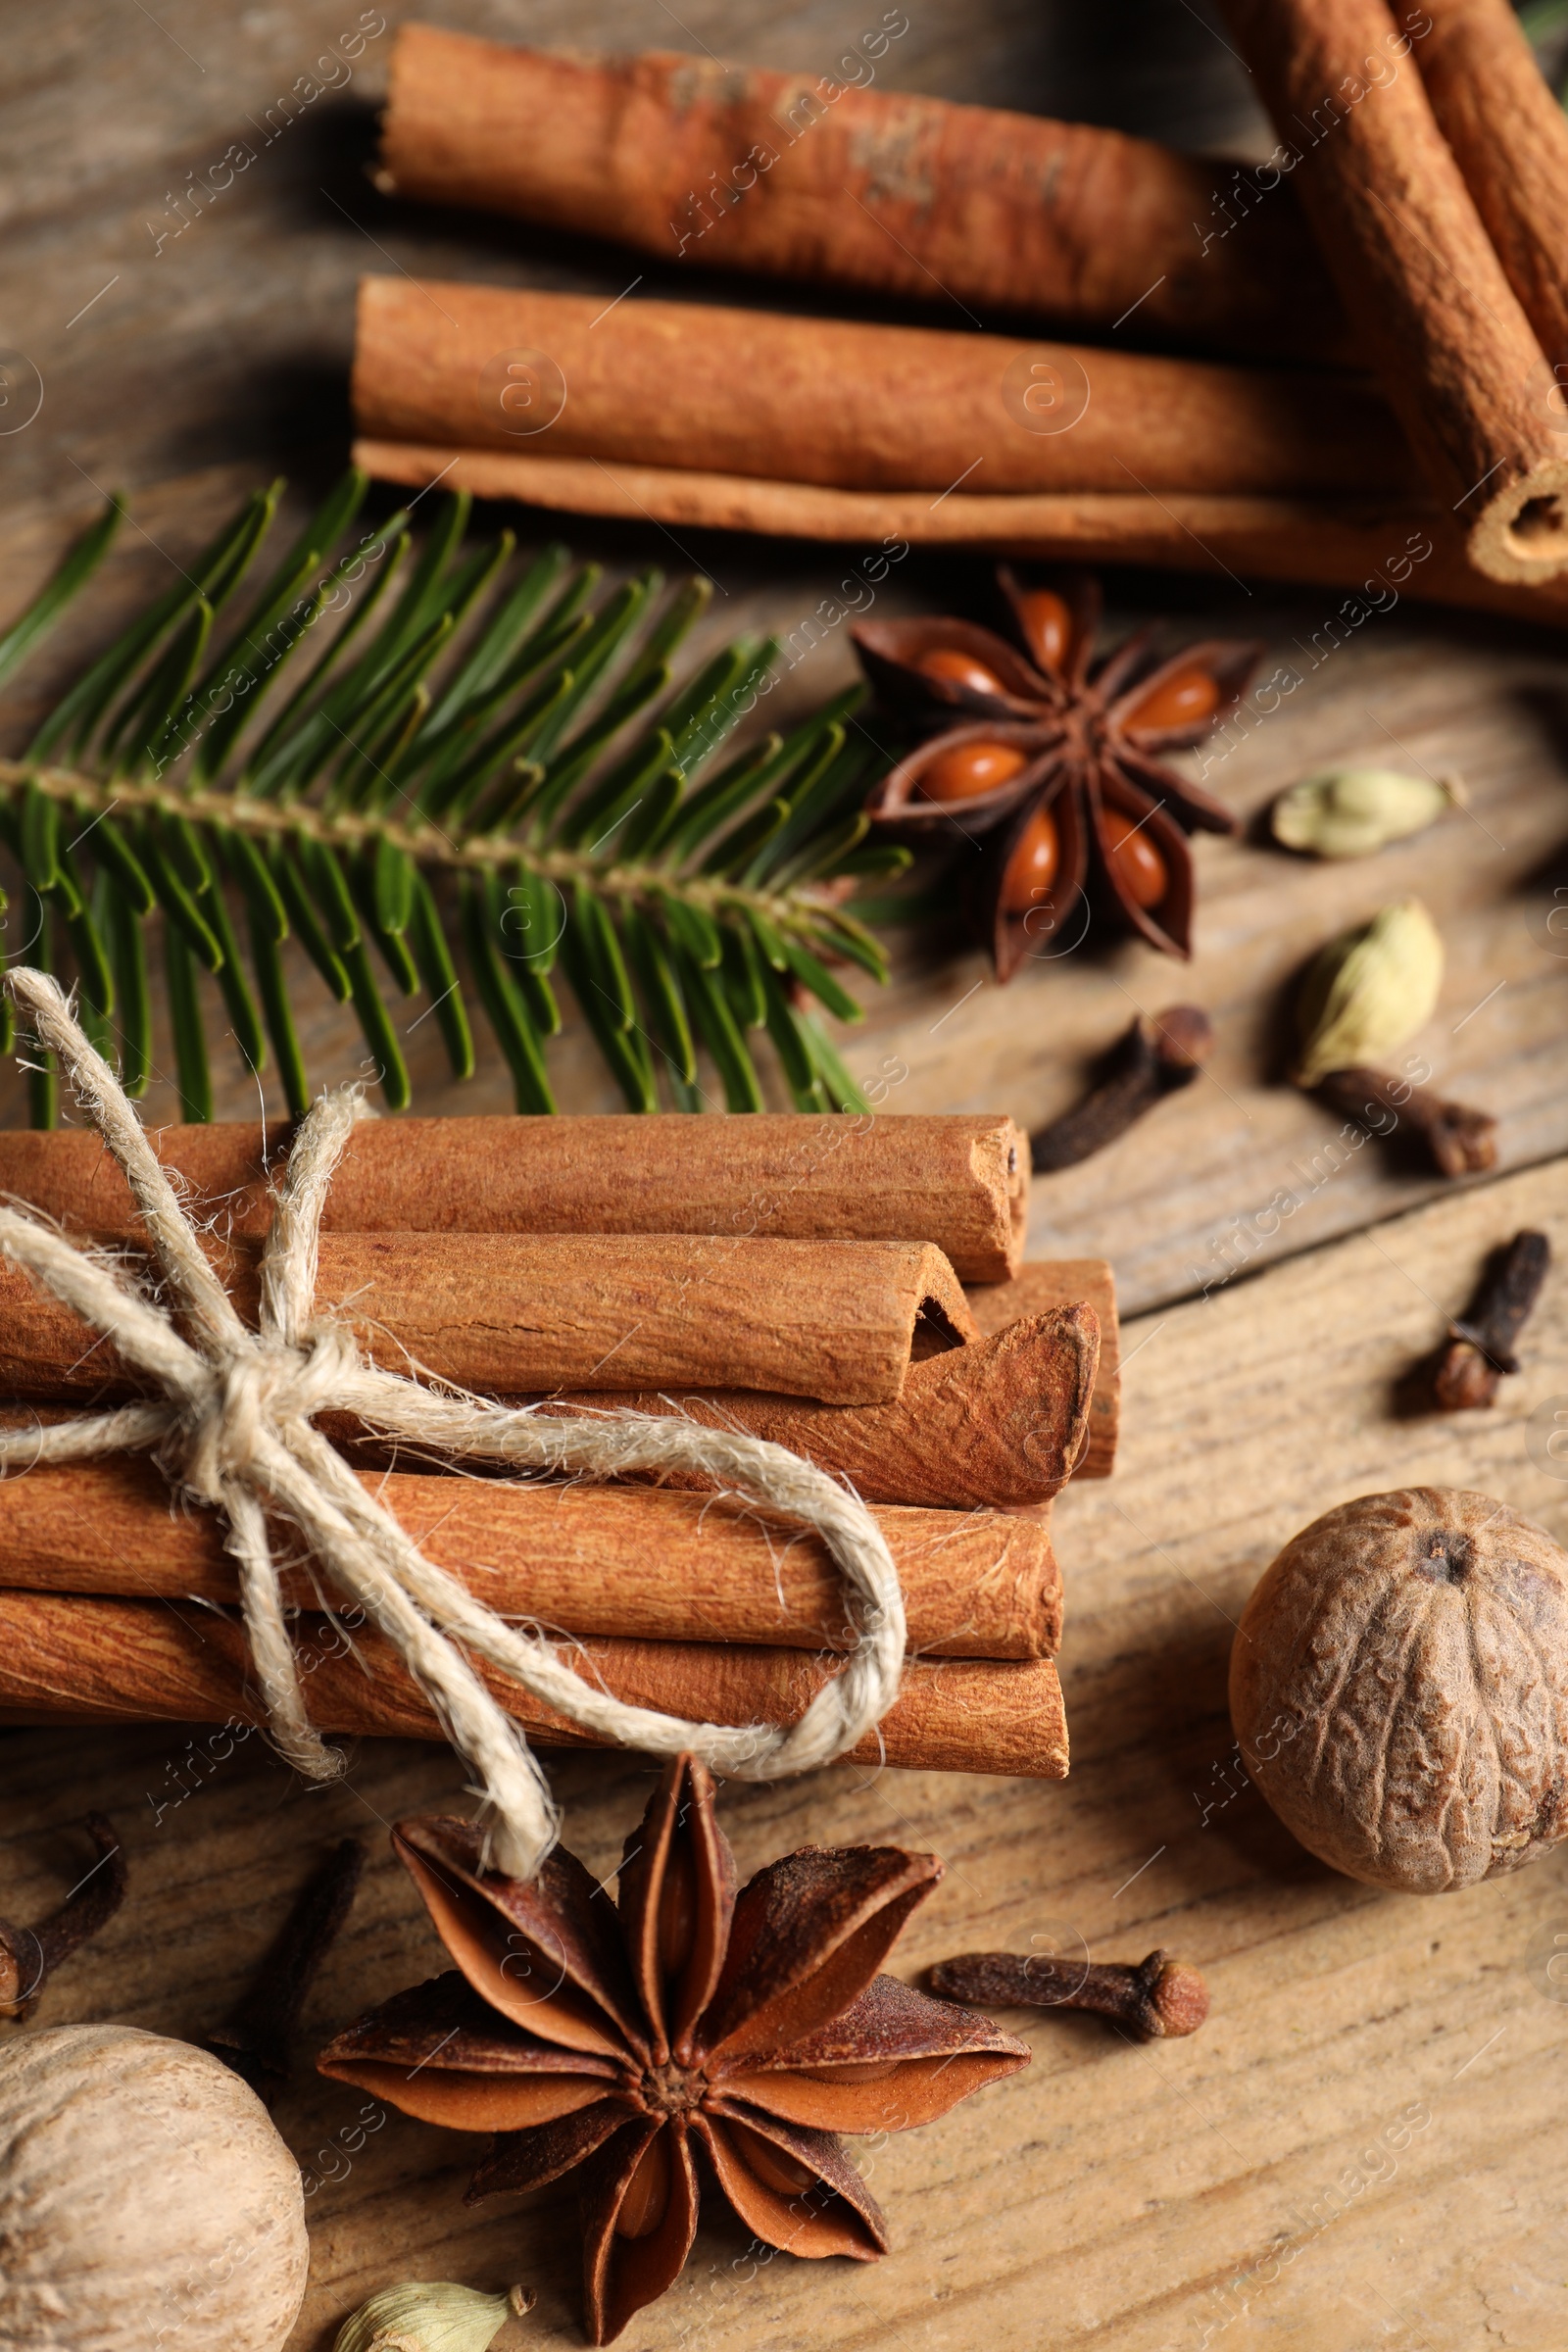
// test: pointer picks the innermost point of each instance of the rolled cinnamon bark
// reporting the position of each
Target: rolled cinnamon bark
(1378, 550)
(837, 401)
(1042, 1289)
(820, 179)
(1424, 290)
(1001, 1425)
(69, 1659)
(633, 1562)
(961, 1182)
(1510, 141)
(508, 1314)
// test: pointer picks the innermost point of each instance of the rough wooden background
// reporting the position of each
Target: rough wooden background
(1365, 2147)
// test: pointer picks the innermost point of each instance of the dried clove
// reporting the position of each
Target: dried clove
(1157, 1056)
(255, 2040)
(30, 1956)
(1462, 1141)
(1479, 1350)
(1159, 1998)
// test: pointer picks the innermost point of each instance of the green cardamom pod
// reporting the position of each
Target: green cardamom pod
(424, 2317)
(1350, 811)
(1369, 991)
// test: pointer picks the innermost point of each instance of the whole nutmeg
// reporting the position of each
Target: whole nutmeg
(145, 2199)
(1400, 1689)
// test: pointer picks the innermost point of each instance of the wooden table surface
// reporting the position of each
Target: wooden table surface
(1366, 2145)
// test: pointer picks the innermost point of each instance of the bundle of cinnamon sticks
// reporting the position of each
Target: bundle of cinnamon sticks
(1410, 222)
(799, 1277)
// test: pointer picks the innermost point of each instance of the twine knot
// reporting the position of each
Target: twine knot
(233, 1426)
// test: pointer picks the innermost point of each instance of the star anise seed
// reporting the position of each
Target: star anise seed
(1055, 761)
(628, 2037)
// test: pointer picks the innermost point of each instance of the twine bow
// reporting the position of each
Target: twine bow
(234, 1429)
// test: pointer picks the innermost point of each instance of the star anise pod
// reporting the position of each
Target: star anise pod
(1055, 761)
(627, 2035)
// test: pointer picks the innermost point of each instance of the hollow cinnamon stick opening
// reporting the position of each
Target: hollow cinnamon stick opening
(633, 1562)
(1000, 1425)
(1047, 1285)
(1378, 550)
(845, 403)
(812, 177)
(1509, 139)
(961, 1182)
(70, 1659)
(1423, 287)
(511, 1314)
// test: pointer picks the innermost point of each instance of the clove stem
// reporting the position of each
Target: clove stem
(1159, 1998)
(1480, 1346)
(1462, 1142)
(1157, 1055)
(30, 1956)
(255, 2040)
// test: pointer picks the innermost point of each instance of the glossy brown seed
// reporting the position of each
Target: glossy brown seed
(1032, 867)
(771, 2163)
(1184, 701)
(955, 667)
(677, 1911)
(647, 2198)
(1047, 625)
(970, 768)
(1140, 868)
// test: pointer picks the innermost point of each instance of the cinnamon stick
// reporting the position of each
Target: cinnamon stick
(817, 178)
(961, 1182)
(69, 1659)
(845, 403)
(628, 1561)
(1510, 141)
(506, 1314)
(1423, 287)
(999, 1425)
(1042, 1288)
(1378, 550)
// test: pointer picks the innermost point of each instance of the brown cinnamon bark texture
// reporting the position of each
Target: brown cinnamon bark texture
(69, 1659)
(1424, 290)
(1041, 1290)
(1377, 549)
(829, 181)
(841, 403)
(1510, 141)
(959, 1182)
(1001, 1425)
(510, 1314)
(625, 1562)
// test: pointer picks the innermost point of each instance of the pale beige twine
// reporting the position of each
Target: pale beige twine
(233, 1430)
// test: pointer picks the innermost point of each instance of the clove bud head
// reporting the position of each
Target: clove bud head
(1158, 1999)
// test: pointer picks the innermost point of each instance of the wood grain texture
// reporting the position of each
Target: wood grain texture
(1240, 2188)
(847, 403)
(962, 1184)
(590, 1560)
(508, 1314)
(1361, 2147)
(84, 1658)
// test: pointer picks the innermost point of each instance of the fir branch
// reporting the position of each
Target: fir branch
(490, 776)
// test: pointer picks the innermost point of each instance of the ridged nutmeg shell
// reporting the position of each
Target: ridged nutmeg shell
(1400, 1689)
